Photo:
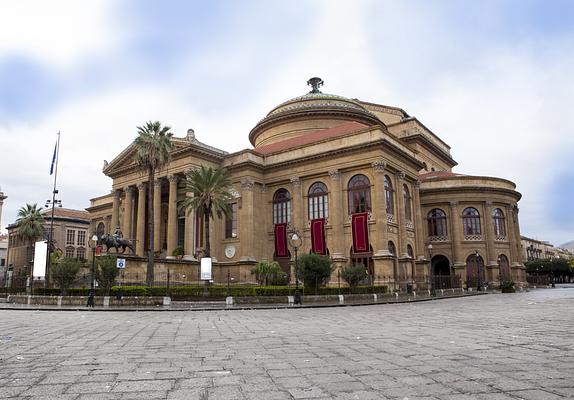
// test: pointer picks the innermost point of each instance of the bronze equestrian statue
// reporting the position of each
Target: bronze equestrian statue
(116, 242)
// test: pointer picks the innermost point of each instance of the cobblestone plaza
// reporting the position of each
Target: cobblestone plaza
(498, 346)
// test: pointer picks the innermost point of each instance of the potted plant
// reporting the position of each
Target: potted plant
(178, 252)
(507, 287)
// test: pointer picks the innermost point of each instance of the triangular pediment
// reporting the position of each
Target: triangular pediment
(125, 161)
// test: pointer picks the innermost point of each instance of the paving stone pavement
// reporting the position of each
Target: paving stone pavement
(498, 347)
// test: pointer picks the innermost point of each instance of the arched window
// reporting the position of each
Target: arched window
(436, 221)
(408, 205)
(392, 249)
(100, 230)
(498, 221)
(389, 196)
(318, 201)
(410, 251)
(281, 207)
(359, 189)
(471, 221)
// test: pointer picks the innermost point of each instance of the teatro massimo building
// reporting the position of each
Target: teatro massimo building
(361, 182)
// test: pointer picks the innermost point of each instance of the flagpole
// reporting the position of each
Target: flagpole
(51, 234)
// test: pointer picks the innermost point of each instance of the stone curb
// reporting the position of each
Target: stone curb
(224, 307)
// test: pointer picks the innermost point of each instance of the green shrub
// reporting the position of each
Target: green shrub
(353, 274)
(314, 270)
(64, 273)
(177, 252)
(507, 287)
(267, 272)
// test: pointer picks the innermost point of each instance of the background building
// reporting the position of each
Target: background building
(362, 182)
(70, 236)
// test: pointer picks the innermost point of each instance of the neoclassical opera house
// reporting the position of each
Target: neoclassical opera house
(361, 182)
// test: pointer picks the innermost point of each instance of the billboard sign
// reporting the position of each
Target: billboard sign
(40, 253)
(206, 269)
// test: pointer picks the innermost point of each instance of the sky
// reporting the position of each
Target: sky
(493, 79)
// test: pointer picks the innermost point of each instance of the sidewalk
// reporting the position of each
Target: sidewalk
(312, 302)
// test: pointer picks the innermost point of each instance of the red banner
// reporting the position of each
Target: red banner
(318, 236)
(360, 227)
(281, 249)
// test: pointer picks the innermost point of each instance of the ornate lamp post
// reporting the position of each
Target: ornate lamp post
(296, 241)
(430, 270)
(476, 259)
(93, 243)
(53, 203)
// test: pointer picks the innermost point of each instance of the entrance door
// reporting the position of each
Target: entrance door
(475, 271)
(441, 272)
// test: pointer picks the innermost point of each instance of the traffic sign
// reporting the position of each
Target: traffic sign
(121, 263)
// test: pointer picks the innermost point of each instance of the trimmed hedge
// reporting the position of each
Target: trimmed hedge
(215, 291)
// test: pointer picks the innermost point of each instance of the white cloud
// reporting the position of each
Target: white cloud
(57, 32)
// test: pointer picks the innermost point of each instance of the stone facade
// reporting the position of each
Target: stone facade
(70, 236)
(369, 158)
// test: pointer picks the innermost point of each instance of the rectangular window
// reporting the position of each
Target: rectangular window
(231, 223)
(81, 238)
(70, 237)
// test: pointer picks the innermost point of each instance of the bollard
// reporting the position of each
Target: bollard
(442, 292)
(341, 299)
(396, 296)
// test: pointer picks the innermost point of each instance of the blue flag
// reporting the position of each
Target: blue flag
(53, 159)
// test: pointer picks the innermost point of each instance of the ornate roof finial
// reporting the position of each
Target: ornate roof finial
(315, 83)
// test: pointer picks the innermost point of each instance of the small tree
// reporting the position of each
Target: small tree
(266, 272)
(106, 272)
(64, 273)
(353, 274)
(314, 270)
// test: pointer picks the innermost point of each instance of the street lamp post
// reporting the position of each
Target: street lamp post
(296, 241)
(477, 260)
(430, 270)
(54, 202)
(93, 243)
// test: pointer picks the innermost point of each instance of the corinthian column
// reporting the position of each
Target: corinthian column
(115, 211)
(127, 225)
(157, 215)
(172, 215)
(140, 234)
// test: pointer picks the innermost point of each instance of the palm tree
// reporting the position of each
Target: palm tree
(212, 194)
(30, 224)
(153, 146)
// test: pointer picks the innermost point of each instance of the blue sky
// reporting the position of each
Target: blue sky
(491, 78)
